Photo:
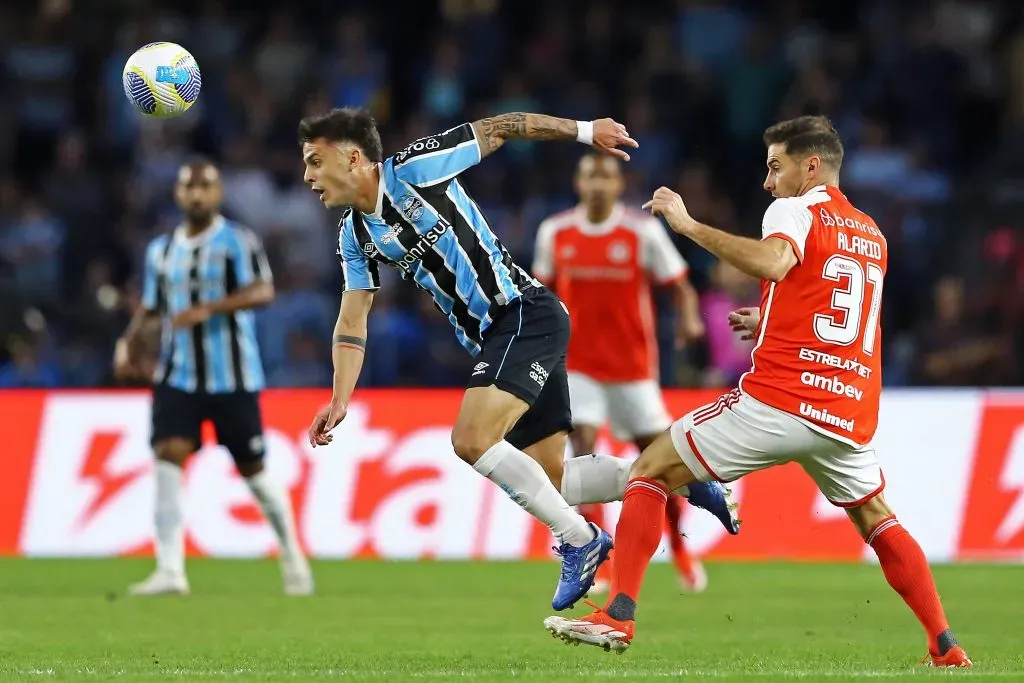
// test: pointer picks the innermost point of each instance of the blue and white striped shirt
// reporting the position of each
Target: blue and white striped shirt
(220, 355)
(428, 227)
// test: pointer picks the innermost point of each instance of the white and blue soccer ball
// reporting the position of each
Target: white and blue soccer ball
(162, 80)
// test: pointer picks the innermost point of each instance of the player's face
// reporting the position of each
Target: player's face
(786, 175)
(330, 170)
(599, 181)
(198, 191)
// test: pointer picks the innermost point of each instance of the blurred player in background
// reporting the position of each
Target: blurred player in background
(811, 397)
(601, 259)
(410, 211)
(202, 281)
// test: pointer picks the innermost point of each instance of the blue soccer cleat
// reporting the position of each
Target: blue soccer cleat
(717, 499)
(579, 566)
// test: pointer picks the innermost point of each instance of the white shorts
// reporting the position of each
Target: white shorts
(633, 409)
(737, 435)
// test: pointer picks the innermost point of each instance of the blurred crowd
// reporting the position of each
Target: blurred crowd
(928, 96)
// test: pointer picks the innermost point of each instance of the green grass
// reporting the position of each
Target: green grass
(68, 620)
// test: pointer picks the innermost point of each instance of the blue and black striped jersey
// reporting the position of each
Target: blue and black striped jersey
(220, 355)
(428, 227)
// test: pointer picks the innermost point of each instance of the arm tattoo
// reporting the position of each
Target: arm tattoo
(350, 341)
(518, 125)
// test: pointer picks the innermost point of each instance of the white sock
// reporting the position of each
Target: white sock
(169, 519)
(277, 509)
(594, 479)
(526, 482)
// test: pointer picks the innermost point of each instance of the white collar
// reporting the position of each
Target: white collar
(607, 225)
(181, 235)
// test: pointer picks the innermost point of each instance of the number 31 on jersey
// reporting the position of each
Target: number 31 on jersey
(844, 327)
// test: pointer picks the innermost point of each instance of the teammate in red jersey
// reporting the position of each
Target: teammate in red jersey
(601, 259)
(811, 396)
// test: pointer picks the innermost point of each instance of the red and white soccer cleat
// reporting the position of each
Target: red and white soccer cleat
(594, 629)
(956, 657)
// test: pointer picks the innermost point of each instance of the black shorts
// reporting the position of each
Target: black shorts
(235, 417)
(524, 354)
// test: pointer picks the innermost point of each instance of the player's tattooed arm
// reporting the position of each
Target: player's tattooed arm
(493, 131)
(349, 343)
(347, 350)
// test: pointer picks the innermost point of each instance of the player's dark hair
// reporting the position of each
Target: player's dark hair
(349, 124)
(807, 136)
(199, 160)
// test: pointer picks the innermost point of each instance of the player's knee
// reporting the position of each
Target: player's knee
(174, 450)
(647, 467)
(471, 444)
(661, 462)
(869, 515)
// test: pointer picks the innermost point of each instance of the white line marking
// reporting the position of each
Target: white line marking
(490, 673)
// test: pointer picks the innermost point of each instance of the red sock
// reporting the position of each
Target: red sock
(673, 513)
(637, 535)
(907, 571)
(593, 512)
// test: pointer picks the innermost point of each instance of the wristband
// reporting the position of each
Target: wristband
(585, 132)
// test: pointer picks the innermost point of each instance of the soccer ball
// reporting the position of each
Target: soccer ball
(162, 80)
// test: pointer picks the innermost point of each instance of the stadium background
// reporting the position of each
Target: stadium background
(929, 98)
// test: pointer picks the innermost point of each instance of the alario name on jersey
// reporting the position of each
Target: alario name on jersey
(861, 246)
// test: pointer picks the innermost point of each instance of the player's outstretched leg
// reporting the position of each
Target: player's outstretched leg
(169, 521)
(276, 506)
(658, 471)
(486, 416)
(906, 569)
(598, 478)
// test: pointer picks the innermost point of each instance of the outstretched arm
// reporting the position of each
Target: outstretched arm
(347, 350)
(767, 259)
(603, 134)
(349, 342)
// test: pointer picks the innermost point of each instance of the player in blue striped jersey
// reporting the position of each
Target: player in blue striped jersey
(203, 281)
(410, 212)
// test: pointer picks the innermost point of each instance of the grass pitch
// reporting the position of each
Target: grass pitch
(373, 621)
